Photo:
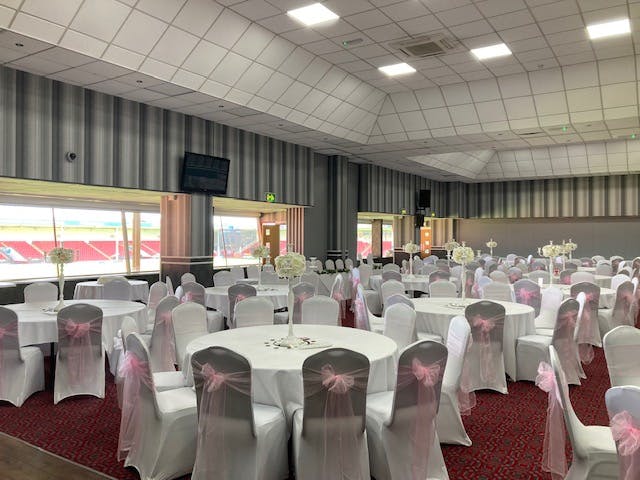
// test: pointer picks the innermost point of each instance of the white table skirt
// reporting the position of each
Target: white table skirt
(607, 296)
(434, 314)
(418, 283)
(603, 281)
(277, 373)
(326, 282)
(88, 290)
(37, 327)
(218, 297)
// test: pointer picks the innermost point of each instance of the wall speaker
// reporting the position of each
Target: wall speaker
(424, 199)
(419, 220)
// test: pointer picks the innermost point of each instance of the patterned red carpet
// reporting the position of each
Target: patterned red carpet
(506, 430)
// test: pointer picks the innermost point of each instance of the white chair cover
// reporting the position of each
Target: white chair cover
(482, 283)
(549, 305)
(312, 278)
(189, 321)
(623, 405)
(348, 264)
(391, 275)
(498, 276)
(339, 264)
(391, 287)
(223, 278)
(361, 311)
(514, 274)
(157, 429)
(337, 293)
(604, 269)
(527, 292)
(429, 268)
(401, 425)
(329, 440)
(237, 293)
(622, 351)
(117, 289)
(237, 272)
(400, 298)
(577, 277)
(439, 275)
(498, 291)
(391, 267)
(301, 293)
(624, 311)
(330, 264)
(40, 292)
(254, 311)
(162, 345)
(400, 325)
(169, 285)
(157, 292)
(535, 275)
(321, 310)
(365, 274)
(21, 369)
(588, 329)
(237, 439)
(442, 289)
(187, 278)
(80, 357)
(253, 271)
(449, 421)
(269, 278)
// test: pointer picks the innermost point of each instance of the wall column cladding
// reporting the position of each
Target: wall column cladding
(342, 205)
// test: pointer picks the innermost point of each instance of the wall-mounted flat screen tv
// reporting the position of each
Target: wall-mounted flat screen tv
(204, 174)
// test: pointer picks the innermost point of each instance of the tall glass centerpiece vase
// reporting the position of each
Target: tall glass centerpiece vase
(449, 247)
(491, 244)
(570, 246)
(260, 252)
(59, 256)
(551, 251)
(463, 255)
(411, 249)
(289, 266)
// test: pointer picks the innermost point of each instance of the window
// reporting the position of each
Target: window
(387, 240)
(95, 236)
(234, 239)
(364, 239)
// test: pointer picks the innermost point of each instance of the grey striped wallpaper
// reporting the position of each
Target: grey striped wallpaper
(128, 144)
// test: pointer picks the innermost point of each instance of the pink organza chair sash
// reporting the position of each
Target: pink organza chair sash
(427, 379)
(76, 346)
(554, 459)
(355, 281)
(135, 374)
(360, 313)
(625, 308)
(627, 437)
(341, 428)
(8, 341)
(466, 398)
(297, 305)
(214, 426)
(338, 296)
(588, 324)
(164, 323)
(563, 341)
(482, 328)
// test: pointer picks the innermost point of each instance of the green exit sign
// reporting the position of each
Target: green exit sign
(270, 197)
(403, 211)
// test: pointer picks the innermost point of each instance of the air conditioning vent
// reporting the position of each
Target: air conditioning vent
(530, 134)
(426, 46)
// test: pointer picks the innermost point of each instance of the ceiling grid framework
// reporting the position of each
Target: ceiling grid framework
(246, 63)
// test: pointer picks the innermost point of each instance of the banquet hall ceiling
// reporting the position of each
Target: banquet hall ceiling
(560, 105)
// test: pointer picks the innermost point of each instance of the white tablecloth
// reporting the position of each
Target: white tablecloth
(88, 290)
(600, 280)
(419, 283)
(35, 326)
(587, 269)
(434, 315)
(326, 282)
(277, 373)
(607, 296)
(218, 297)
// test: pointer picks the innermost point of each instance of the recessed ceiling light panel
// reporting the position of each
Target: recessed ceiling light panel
(492, 51)
(609, 29)
(397, 69)
(312, 14)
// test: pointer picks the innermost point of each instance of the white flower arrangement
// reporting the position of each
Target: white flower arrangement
(451, 245)
(552, 250)
(60, 255)
(570, 246)
(463, 255)
(411, 248)
(290, 265)
(491, 244)
(261, 251)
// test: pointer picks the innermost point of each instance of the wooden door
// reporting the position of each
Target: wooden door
(271, 238)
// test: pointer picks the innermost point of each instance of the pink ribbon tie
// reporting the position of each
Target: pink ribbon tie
(77, 330)
(339, 384)
(625, 433)
(213, 379)
(427, 375)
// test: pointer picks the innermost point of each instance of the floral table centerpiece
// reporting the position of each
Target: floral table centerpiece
(569, 247)
(551, 251)
(450, 246)
(260, 252)
(59, 256)
(463, 255)
(289, 266)
(411, 249)
(491, 244)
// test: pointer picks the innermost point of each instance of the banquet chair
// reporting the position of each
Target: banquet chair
(442, 289)
(117, 289)
(428, 269)
(624, 310)
(391, 275)
(550, 303)
(187, 277)
(400, 298)
(223, 278)
(616, 261)
(622, 352)
(237, 272)
(510, 259)
(40, 292)
(312, 278)
(497, 291)
(329, 439)
(536, 274)
(269, 278)
(104, 279)
(237, 438)
(157, 429)
(484, 360)
(439, 275)
(157, 292)
(401, 424)
(189, 321)
(455, 272)
(169, 283)
(604, 269)
(361, 313)
(254, 311)
(391, 267)
(400, 324)
(449, 421)
(80, 358)
(390, 287)
(586, 262)
(527, 292)
(253, 271)
(329, 264)
(481, 283)
(565, 276)
(21, 368)
(301, 293)
(588, 333)
(537, 265)
(577, 277)
(268, 267)
(365, 274)
(236, 294)
(533, 349)
(404, 268)
(498, 276)
(348, 264)
(594, 451)
(623, 406)
(573, 264)
(195, 292)
(339, 264)
(321, 310)
(627, 271)
(162, 344)
(514, 274)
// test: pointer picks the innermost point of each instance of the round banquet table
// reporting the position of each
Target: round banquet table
(419, 283)
(603, 281)
(434, 314)
(326, 282)
(93, 289)
(218, 297)
(37, 326)
(587, 269)
(277, 373)
(607, 295)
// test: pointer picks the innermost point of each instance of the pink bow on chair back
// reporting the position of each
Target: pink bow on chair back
(163, 331)
(484, 327)
(187, 297)
(78, 351)
(627, 437)
(339, 384)
(554, 460)
(360, 313)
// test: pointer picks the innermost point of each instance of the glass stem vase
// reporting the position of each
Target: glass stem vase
(550, 270)
(260, 274)
(463, 282)
(60, 269)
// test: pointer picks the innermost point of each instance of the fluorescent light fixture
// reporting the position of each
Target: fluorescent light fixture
(397, 69)
(312, 14)
(497, 50)
(608, 29)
